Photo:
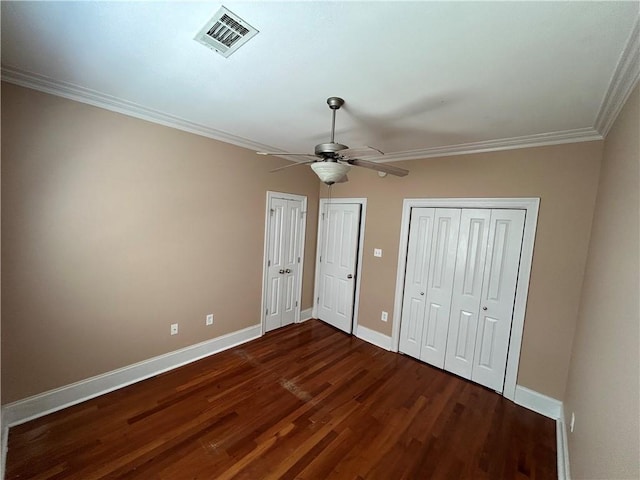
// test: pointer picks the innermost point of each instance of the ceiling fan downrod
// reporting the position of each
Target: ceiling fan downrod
(329, 151)
(334, 104)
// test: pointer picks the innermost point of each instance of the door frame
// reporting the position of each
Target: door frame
(356, 294)
(531, 206)
(265, 259)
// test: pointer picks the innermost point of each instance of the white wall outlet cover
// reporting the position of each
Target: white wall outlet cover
(377, 252)
(573, 422)
(174, 328)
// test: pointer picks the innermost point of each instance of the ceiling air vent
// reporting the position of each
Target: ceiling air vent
(225, 32)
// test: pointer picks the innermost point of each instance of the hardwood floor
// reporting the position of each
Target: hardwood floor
(306, 402)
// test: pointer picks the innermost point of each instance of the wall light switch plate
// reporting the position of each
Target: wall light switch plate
(384, 316)
(209, 319)
(174, 329)
(377, 252)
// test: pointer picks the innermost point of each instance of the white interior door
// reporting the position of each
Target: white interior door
(416, 278)
(293, 230)
(276, 262)
(442, 270)
(498, 295)
(492, 270)
(460, 287)
(467, 291)
(337, 264)
(284, 244)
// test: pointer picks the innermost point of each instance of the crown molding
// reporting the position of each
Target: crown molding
(538, 140)
(109, 102)
(622, 83)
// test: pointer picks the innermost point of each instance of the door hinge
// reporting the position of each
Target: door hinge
(318, 300)
(296, 303)
(320, 258)
(268, 263)
(298, 259)
(322, 215)
(266, 312)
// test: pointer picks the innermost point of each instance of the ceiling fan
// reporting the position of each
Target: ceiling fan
(333, 160)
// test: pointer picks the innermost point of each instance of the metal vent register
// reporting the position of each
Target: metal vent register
(225, 32)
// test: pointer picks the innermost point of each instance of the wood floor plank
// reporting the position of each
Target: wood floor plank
(303, 402)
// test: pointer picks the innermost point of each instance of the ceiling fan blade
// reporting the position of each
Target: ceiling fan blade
(364, 151)
(292, 165)
(380, 167)
(276, 154)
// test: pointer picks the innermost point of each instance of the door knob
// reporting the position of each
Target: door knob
(287, 271)
(421, 293)
(281, 271)
(484, 308)
(349, 276)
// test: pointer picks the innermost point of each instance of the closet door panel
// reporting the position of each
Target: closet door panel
(440, 284)
(467, 291)
(416, 278)
(498, 296)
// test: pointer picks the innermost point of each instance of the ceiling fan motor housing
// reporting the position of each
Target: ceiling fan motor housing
(329, 150)
(335, 102)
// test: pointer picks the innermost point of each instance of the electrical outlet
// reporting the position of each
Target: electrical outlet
(384, 316)
(573, 422)
(209, 319)
(377, 252)
(174, 329)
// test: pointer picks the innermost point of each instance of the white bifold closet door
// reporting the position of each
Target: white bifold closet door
(467, 291)
(416, 276)
(433, 243)
(460, 286)
(498, 295)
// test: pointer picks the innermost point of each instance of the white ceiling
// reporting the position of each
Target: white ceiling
(417, 77)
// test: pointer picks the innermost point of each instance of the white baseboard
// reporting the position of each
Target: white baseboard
(539, 403)
(562, 448)
(306, 315)
(554, 409)
(48, 402)
(371, 336)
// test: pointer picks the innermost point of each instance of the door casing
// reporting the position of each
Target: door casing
(531, 206)
(363, 215)
(265, 255)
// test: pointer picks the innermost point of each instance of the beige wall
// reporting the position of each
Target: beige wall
(113, 228)
(564, 177)
(603, 388)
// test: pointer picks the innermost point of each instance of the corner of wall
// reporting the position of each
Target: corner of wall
(562, 447)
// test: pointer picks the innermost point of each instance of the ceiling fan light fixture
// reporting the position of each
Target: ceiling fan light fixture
(328, 168)
(330, 172)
